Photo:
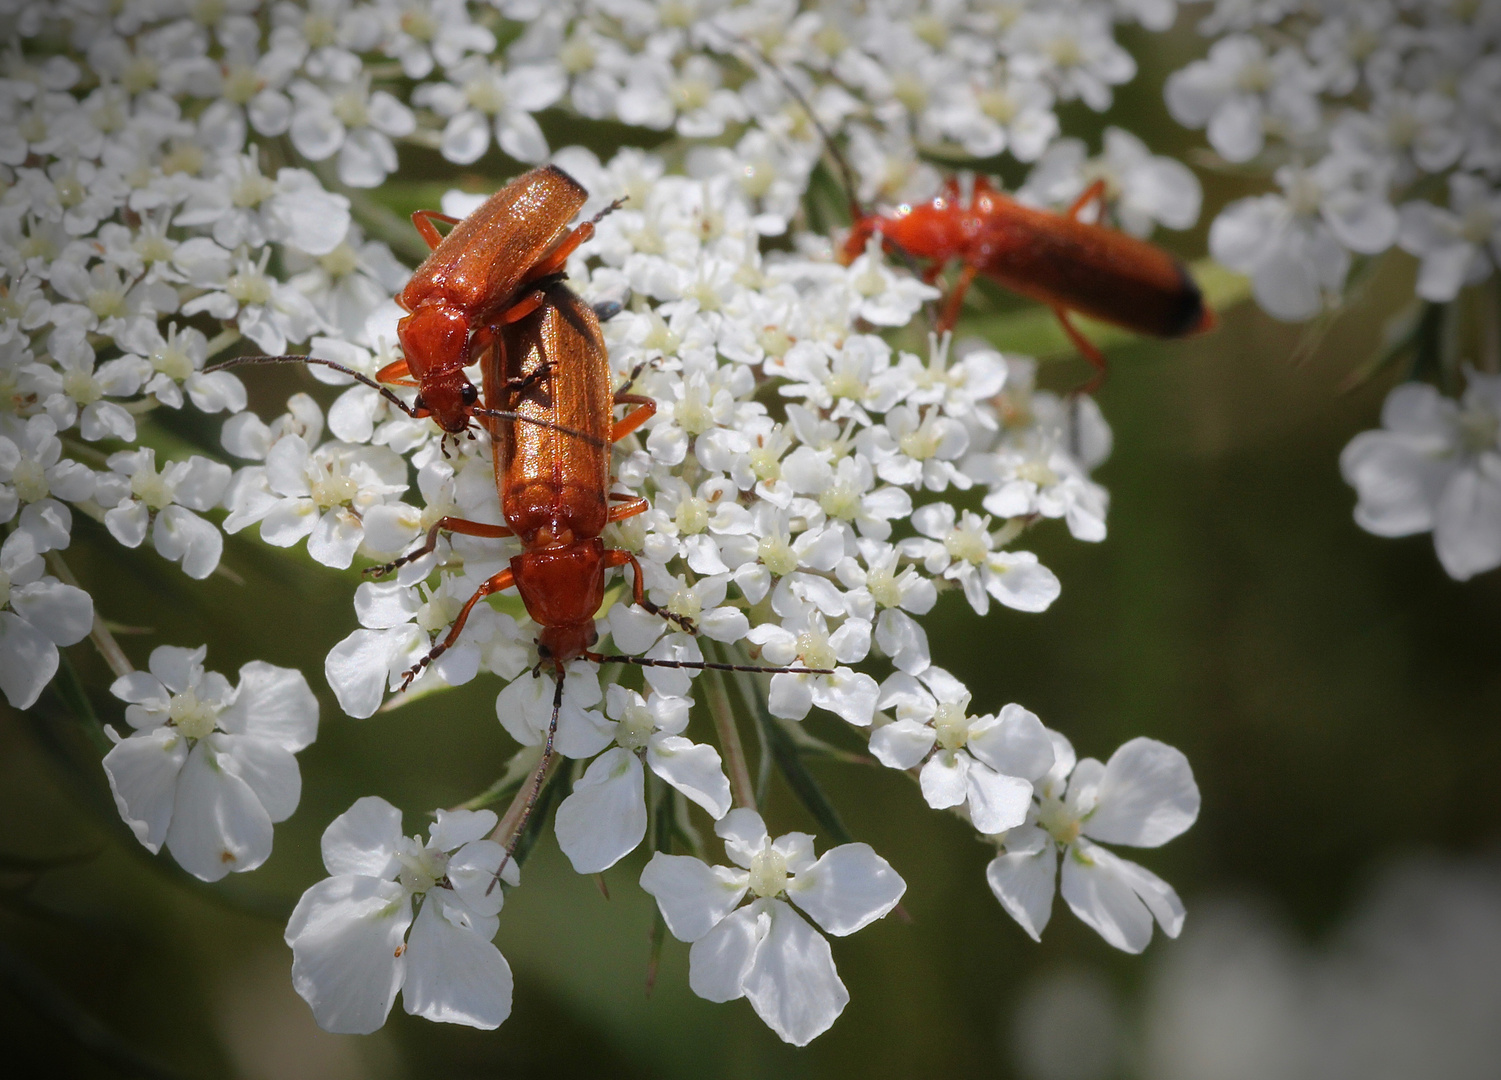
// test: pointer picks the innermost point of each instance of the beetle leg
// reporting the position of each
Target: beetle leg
(645, 409)
(396, 373)
(630, 506)
(424, 219)
(555, 259)
(950, 313)
(1087, 349)
(619, 557)
(1094, 192)
(446, 524)
(502, 580)
(630, 379)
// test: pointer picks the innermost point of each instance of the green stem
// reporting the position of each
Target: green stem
(742, 790)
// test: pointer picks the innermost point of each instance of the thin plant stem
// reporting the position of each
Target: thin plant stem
(511, 821)
(742, 789)
(103, 640)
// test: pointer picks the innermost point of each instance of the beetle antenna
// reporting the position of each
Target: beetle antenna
(704, 665)
(758, 60)
(538, 778)
(390, 395)
(296, 358)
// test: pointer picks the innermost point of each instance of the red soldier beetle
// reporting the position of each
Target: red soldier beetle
(552, 473)
(494, 267)
(1057, 259)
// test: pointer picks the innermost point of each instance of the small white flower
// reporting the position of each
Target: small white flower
(37, 614)
(1434, 465)
(210, 768)
(962, 549)
(1240, 93)
(139, 496)
(480, 96)
(765, 951)
(359, 936)
(604, 819)
(987, 764)
(1458, 246)
(318, 494)
(1142, 797)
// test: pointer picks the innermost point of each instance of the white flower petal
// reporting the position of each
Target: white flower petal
(267, 766)
(28, 660)
(1024, 884)
(902, 744)
(692, 895)
(849, 887)
(744, 834)
(64, 613)
(1103, 899)
(1014, 743)
(345, 934)
(944, 779)
(182, 536)
(604, 819)
(218, 824)
(472, 873)
(792, 983)
(364, 839)
(142, 773)
(273, 703)
(694, 769)
(996, 802)
(719, 961)
(1146, 796)
(453, 974)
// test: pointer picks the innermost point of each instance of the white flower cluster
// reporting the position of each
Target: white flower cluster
(1380, 121)
(813, 489)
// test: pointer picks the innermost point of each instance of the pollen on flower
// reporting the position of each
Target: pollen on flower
(635, 727)
(438, 612)
(952, 725)
(768, 872)
(692, 516)
(340, 262)
(685, 602)
(81, 386)
(841, 500)
(1058, 820)
(193, 717)
(692, 413)
(227, 856)
(249, 286)
(1037, 472)
(241, 83)
(577, 55)
(815, 650)
(148, 485)
(30, 481)
(968, 544)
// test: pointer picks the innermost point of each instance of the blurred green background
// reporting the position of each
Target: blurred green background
(1337, 695)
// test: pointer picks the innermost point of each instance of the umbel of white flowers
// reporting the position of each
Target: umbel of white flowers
(143, 237)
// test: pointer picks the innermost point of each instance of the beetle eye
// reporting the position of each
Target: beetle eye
(418, 405)
(469, 394)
